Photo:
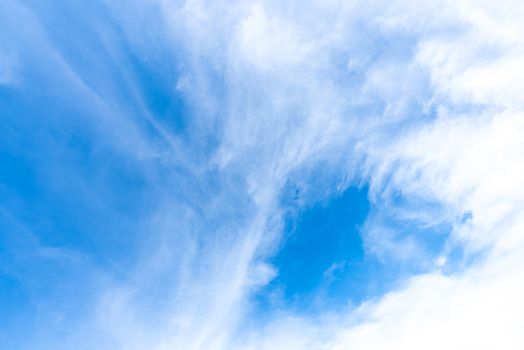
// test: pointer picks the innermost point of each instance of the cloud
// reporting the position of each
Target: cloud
(420, 101)
(469, 160)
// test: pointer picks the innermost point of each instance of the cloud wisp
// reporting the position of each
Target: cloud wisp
(149, 148)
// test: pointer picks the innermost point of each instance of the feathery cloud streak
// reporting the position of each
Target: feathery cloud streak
(157, 140)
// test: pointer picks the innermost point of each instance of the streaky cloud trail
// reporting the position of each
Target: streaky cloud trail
(148, 148)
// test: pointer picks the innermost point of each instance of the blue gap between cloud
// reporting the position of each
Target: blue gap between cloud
(322, 263)
(322, 254)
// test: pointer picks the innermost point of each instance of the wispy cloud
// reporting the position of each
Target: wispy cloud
(175, 203)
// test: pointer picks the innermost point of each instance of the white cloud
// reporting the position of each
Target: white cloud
(477, 310)
(471, 161)
(417, 98)
(286, 106)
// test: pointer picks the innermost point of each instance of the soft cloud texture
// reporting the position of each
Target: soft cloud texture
(420, 101)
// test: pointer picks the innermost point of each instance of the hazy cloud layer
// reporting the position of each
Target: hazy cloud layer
(164, 134)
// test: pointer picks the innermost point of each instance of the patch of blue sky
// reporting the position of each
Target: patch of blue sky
(327, 259)
(70, 188)
(318, 238)
(44, 289)
(156, 83)
(74, 203)
(64, 181)
(319, 262)
(50, 145)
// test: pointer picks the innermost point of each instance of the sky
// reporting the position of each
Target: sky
(261, 175)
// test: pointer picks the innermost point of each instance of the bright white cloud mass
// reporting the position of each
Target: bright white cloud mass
(261, 175)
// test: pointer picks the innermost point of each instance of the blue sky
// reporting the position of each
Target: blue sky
(261, 175)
